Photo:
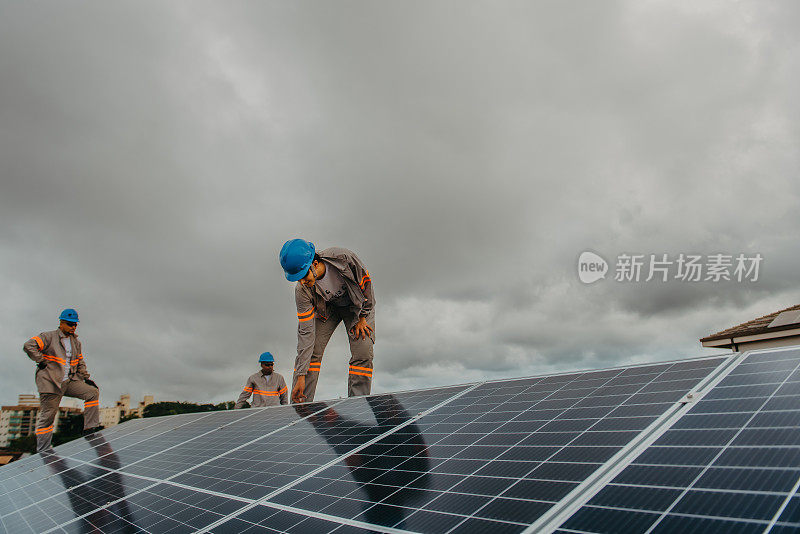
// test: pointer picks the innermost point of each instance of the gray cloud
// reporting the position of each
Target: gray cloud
(154, 158)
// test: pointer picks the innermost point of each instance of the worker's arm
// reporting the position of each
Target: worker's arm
(33, 348)
(361, 274)
(306, 324)
(283, 392)
(244, 395)
(81, 365)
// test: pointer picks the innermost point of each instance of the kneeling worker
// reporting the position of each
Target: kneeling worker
(61, 370)
(267, 387)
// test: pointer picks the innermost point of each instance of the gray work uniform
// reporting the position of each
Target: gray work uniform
(267, 390)
(48, 347)
(320, 312)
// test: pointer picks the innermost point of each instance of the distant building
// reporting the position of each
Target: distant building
(777, 329)
(111, 415)
(28, 399)
(20, 421)
(139, 410)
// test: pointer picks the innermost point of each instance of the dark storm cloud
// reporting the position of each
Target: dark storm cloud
(155, 157)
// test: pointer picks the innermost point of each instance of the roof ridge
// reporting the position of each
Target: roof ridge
(749, 327)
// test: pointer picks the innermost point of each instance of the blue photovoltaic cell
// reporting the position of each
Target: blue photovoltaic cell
(499, 456)
(70, 493)
(155, 439)
(220, 437)
(159, 510)
(269, 463)
(729, 465)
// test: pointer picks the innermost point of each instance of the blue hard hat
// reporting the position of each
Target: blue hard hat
(69, 315)
(266, 357)
(296, 257)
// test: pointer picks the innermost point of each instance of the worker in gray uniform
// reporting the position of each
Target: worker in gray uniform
(333, 286)
(267, 387)
(61, 370)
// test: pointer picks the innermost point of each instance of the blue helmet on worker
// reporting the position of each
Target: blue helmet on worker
(266, 357)
(69, 315)
(296, 257)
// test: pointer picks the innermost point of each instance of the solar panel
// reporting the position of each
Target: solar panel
(730, 464)
(273, 461)
(498, 456)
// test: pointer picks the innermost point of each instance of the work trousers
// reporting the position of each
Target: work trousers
(48, 408)
(359, 379)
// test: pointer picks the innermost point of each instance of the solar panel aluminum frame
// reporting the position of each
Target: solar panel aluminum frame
(573, 501)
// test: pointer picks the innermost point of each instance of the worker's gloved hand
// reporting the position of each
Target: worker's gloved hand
(91, 383)
(41, 365)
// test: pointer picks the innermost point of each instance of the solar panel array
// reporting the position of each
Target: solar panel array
(731, 464)
(598, 451)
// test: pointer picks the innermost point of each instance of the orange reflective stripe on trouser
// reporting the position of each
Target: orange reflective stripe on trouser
(44, 430)
(89, 404)
(315, 367)
(360, 371)
(38, 341)
(306, 316)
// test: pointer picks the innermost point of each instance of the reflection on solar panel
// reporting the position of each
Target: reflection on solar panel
(629, 449)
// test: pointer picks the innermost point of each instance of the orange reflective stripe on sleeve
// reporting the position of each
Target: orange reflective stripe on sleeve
(248, 389)
(75, 361)
(50, 357)
(364, 280)
(38, 341)
(303, 317)
(267, 393)
(44, 430)
(282, 391)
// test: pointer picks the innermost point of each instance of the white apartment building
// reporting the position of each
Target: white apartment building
(20, 420)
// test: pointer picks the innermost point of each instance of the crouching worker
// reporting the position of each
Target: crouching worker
(61, 370)
(267, 387)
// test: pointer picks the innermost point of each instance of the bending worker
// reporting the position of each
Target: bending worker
(267, 387)
(61, 370)
(333, 286)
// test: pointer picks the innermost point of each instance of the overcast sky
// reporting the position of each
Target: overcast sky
(154, 156)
